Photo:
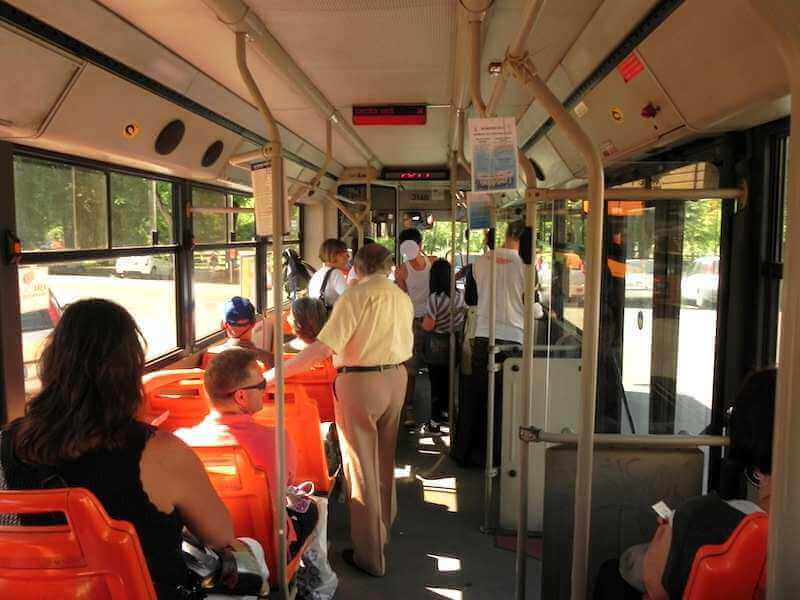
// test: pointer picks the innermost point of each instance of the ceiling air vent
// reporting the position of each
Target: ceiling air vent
(170, 137)
(212, 153)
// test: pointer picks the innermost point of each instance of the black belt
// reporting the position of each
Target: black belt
(366, 369)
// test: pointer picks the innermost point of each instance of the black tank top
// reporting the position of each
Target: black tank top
(113, 476)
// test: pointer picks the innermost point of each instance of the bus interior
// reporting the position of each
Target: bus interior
(150, 148)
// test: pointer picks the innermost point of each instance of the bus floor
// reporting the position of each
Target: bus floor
(437, 550)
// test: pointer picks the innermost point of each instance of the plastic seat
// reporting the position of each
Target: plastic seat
(177, 395)
(734, 570)
(90, 557)
(244, 490)
(318, 384)
(303, 425)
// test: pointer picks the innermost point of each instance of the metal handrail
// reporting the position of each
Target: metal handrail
(277, 285)
(532, 435)
(523, 69)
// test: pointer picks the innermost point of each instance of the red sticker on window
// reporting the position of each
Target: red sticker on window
(630, 67)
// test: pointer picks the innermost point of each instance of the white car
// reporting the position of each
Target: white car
(154, 266)
(701, 282)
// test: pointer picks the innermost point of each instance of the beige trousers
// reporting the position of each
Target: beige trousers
(368, 407)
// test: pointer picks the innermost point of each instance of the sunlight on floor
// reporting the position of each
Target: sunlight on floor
(447, 593)
(445, 564)
(440, 491)
(403, 472)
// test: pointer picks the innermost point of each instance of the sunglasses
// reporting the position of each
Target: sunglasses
(261, 385)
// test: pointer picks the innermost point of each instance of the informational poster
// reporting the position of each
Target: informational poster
(494, 154)
(261, 175)
(479, 210)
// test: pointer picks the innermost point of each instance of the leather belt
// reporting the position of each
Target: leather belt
(366, 369)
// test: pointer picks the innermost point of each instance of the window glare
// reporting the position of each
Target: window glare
(143, 285)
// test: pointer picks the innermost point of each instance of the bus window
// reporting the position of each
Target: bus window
(145, 287)
(218, 276)
(59, 206)
(141, 211)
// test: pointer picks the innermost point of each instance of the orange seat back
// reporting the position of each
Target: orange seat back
(303, 426)
(318, 383)
(90, 557)
(243, 489)
(179, 392)
(735, 569)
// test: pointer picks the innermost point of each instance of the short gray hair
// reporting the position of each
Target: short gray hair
(371, 259)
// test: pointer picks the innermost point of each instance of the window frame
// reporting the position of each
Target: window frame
(261, 244)
(42, 257)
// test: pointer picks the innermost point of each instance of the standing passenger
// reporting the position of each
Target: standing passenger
(437, 324)
(471, 434)
(329, 282)
(369, 335)
(413, 277)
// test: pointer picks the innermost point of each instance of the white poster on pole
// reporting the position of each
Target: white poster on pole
(261, 176)
(479, 210)
(494, 154)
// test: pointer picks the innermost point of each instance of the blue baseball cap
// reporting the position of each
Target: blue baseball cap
(238, 309)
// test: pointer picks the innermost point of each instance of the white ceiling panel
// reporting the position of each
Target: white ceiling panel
(715, 61)
(33, 78)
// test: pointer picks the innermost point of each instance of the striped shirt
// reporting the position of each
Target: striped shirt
(439, 311)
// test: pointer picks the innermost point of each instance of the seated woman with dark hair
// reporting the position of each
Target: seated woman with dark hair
(81, 431)
(662, 567)
(308, 318)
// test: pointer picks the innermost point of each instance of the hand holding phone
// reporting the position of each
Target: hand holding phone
(664, 512)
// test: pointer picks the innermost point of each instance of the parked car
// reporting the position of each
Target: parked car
(701, 282)
(154, 266)
(639, 278)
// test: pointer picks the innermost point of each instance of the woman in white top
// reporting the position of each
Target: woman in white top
(329, 282)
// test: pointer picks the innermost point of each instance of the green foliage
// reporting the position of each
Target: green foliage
(701, 228)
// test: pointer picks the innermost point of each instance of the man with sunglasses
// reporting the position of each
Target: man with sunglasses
(236, 386)
(238, 322)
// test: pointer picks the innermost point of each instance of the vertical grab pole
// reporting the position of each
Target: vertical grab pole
(489, 473)
(783, 548)
(524, 70)
(273, 153)
(529, 340)
(451, 396)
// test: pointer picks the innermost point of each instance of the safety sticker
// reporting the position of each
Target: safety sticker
(607, 148)
(630, 67)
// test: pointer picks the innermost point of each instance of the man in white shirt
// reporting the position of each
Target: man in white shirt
(470, 443)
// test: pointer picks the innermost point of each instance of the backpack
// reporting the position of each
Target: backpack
(296, 273)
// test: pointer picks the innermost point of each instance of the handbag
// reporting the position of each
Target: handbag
(234, 570)
(436, 350)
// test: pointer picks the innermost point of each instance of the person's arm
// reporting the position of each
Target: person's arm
(177, 468)
(304, 361)
(655, 561)
(400, 275)
(429, 322)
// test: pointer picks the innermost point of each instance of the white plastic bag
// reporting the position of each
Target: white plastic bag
(316, 579)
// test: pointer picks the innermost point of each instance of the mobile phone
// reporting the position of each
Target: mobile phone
(663, 511)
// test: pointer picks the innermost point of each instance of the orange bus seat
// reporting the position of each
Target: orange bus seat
(318, 383)
(303, 425)
(178, 392)
(90, 557)
(243, 489)
(206, 360)
(734, 570)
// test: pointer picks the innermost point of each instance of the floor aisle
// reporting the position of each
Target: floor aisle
(437, 550)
